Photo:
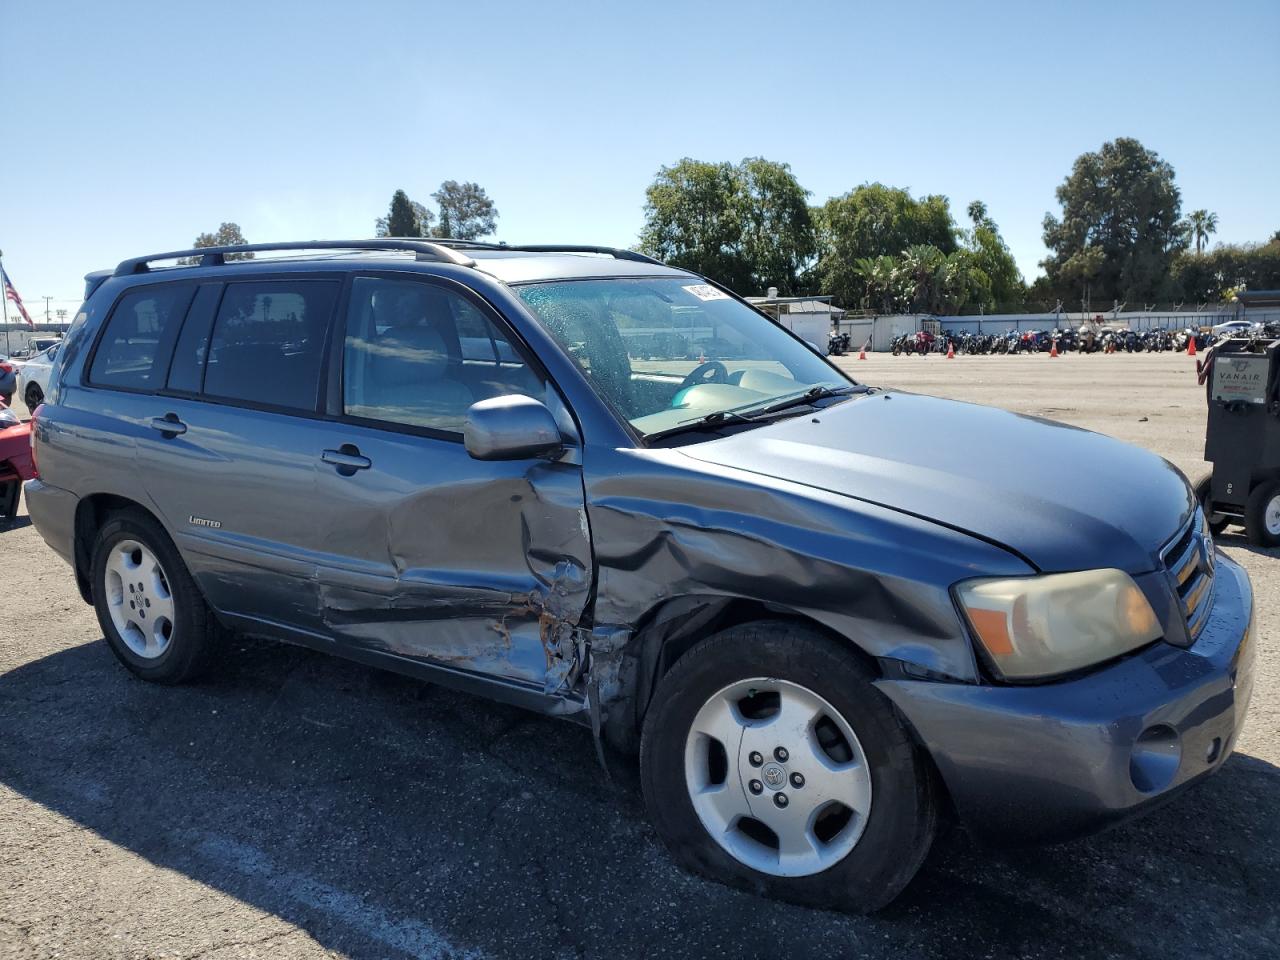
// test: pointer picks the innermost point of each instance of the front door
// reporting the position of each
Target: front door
(482, 567)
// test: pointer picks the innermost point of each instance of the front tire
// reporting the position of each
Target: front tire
(770, 762)
(34, 397)
(150, 610)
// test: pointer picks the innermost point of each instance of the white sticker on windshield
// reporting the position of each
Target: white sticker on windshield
(704, 291)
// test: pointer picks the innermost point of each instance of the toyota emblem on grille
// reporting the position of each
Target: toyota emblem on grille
(1208, 554)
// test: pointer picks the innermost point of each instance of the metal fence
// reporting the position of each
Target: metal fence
(878, 332)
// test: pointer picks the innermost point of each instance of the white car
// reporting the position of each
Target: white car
(33, 376)
(1232, 328)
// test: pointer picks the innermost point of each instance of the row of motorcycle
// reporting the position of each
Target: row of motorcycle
(1043, 341)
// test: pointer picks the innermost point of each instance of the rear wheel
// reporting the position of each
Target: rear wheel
(770, 762)
(1262, 514)
(34, 396)
(150, 610)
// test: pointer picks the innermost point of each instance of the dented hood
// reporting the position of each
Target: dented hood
(1061, 497)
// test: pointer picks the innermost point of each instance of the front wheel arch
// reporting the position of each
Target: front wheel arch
(670, 630)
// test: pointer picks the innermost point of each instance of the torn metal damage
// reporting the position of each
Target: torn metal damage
(482, 572)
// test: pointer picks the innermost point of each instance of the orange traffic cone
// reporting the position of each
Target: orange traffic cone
(951, 350)
(1053, 351)
(1191, 346)
(862, 354)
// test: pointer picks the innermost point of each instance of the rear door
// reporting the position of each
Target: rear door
(231, 451)
(482, 567)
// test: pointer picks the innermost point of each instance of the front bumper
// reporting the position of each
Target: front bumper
(1056, 760)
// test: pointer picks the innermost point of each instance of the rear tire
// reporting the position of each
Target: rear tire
(34, 397)
(865, 811)
(1262, 514)
(10, 493)
(150, 610)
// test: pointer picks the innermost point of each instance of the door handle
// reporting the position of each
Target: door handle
(169, 425)
(347, 459)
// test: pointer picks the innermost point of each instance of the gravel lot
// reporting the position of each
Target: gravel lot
(294, 805)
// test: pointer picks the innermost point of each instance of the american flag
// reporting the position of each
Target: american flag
(11, 294)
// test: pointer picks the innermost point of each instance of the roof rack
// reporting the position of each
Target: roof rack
(217, 256)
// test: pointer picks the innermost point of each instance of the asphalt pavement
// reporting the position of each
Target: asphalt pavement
(295, 805)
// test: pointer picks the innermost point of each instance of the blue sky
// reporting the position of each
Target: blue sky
(131, 127)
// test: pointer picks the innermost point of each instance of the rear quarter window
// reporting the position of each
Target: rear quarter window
(134, 350)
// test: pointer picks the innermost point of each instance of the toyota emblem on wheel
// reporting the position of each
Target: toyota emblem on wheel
(774, 775)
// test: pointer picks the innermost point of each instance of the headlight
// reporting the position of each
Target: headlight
(8, 418)
(1035, 627)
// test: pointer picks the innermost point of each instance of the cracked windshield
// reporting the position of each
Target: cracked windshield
(667, 353)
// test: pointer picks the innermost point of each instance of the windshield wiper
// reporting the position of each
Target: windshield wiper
(698, 423)
(756, 415)
(819, 392)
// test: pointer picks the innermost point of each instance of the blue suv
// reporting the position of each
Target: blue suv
(603, 488)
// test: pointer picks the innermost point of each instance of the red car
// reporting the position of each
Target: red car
(15, 462)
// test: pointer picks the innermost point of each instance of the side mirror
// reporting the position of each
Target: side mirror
(511, 428)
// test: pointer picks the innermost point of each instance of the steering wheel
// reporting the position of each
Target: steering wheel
(713, 371)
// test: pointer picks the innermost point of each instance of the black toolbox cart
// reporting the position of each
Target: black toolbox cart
(1242, 440)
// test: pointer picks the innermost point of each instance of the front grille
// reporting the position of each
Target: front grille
(1189, 560)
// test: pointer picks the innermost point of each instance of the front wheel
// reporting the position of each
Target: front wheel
(150, 610)
(1262, 515)
(770, 762)
(34, 396)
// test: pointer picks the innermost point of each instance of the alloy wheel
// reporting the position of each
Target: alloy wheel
(139, 599)
(777, 777)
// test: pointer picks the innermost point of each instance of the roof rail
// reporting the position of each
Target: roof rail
(616, 252)
(217, 256)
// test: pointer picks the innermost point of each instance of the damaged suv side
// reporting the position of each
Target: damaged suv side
(599, 487)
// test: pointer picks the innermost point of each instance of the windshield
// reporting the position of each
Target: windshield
(667, 352)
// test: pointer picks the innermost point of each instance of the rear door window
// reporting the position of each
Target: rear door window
(267, 343)
(135, 346)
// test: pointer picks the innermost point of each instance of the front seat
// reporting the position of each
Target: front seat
(409, 382)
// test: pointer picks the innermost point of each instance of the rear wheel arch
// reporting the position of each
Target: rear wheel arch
(92, 512)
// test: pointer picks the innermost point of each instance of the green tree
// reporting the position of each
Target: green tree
(692, 219)
(1205, 278)
(466, 212)
(875, 220)
(997, 284)
(777, 235)
(1121, 201)
(422, 217)
(403, 219)
(1201, 224)
(227, 235)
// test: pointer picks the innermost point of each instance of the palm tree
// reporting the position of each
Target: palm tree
(1202, 224)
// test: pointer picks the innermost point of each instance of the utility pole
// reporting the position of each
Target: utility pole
(62, 320)
(47, 318)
